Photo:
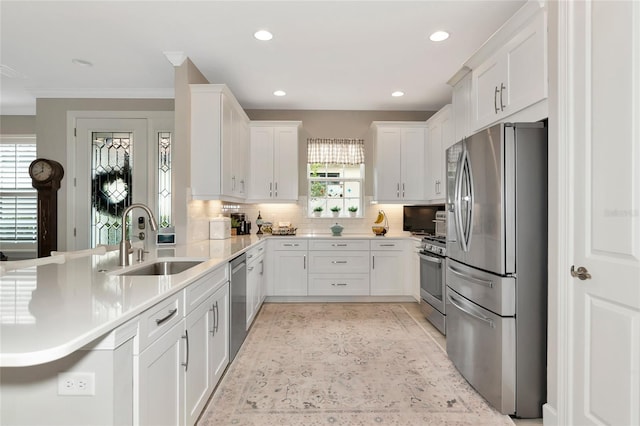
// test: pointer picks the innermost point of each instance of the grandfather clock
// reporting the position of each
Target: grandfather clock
(45, 178)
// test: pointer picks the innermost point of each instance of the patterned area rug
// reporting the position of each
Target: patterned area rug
(344, 364)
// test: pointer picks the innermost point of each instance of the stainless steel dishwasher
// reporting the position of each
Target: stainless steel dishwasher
(238, 305)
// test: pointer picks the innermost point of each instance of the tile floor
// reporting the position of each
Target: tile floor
(414, 310)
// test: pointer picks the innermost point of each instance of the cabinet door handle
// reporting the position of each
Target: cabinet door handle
(387, 245)
(403, 190)
(171, 313)
(304, 262)
(339, 284)
(250, 268)
(186, 364)
(250, 256)
(276, 189)
(495, 100)
(398, 190)
(261, 267)
(338, 261)
(215, 328)
(270, 189)
(338, 245)
(291, 245)
(213, 320)
(502, 87)
(373, 261)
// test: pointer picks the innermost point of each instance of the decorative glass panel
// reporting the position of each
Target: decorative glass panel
(164, 179)
(111, 183)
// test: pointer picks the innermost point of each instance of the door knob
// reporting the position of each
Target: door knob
(581, 273)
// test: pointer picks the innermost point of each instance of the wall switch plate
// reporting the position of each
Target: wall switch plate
(76, 384)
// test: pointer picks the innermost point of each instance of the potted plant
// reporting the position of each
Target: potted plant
(335, 210)
(317, 211)
(353, 210)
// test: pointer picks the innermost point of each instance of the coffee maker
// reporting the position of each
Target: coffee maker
(243, 227)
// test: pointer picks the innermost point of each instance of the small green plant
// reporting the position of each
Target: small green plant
(318, 209)
(353, 209)
(335, 209)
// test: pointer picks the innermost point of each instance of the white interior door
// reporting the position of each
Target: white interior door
(604, 134)
(111, 172)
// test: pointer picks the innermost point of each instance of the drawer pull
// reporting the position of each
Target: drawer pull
(338, 284)
(250, 256)
(250, 268)
(387, 245)
(338, 245)
(338, 261)
(171, 313)
(290, 245)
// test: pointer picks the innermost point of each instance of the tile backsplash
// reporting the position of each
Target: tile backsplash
(200, 212)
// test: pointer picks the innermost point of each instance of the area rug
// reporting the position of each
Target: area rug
(344, 364)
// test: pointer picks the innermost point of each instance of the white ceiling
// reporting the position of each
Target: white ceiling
(343, 55)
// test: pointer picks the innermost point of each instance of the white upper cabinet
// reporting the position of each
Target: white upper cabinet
(219, 144)
(273, 159)
(439, 138)
(399, 158)
(514, 77)
(461, 106)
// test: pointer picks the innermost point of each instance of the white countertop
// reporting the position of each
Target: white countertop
(50, 311)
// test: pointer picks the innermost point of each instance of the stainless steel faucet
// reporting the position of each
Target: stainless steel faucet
(125, 245)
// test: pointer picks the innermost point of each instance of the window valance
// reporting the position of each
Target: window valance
(335, 151)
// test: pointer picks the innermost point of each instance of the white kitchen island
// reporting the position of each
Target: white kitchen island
(87, 345)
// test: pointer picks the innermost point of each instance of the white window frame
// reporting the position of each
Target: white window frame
(326, 213)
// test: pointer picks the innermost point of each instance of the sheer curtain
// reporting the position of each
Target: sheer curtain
(335, 151)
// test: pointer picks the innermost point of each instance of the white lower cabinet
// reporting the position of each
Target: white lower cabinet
(179, 368)
(220, 334)
(338, 267)
(255, 281)
(388, 264)
(207, 351)
(288, 267)
(161, 380)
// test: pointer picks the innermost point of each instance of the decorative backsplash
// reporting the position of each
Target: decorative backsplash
(201, 211)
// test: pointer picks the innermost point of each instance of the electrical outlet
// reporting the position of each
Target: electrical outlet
(76, 384)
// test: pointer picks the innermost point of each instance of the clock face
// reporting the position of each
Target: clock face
(41, 170)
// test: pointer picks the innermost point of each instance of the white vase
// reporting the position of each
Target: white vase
(335, 214)
(316, 214)
(353, 214)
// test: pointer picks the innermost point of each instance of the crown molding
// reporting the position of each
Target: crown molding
(116, 93)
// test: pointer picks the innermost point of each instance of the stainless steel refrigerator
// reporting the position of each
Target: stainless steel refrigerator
(496, 271)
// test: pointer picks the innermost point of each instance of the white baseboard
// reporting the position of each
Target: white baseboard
(549, 415)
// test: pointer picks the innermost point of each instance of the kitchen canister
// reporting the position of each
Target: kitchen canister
(220, 228)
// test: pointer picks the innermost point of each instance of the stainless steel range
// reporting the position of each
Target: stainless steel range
(432, 280)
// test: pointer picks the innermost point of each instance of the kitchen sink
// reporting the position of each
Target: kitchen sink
(165, 267)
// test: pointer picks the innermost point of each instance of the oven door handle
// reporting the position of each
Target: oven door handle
(430, 258)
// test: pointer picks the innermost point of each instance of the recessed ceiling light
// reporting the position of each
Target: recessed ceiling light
(439, 36)
(397, 93)
(81, 62)
(263, 35)
(279, 93)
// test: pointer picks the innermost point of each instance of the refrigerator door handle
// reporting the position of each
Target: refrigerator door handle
(475, 315)
(469, 199)
(456, 201)
(469, 278)
(463, 230)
